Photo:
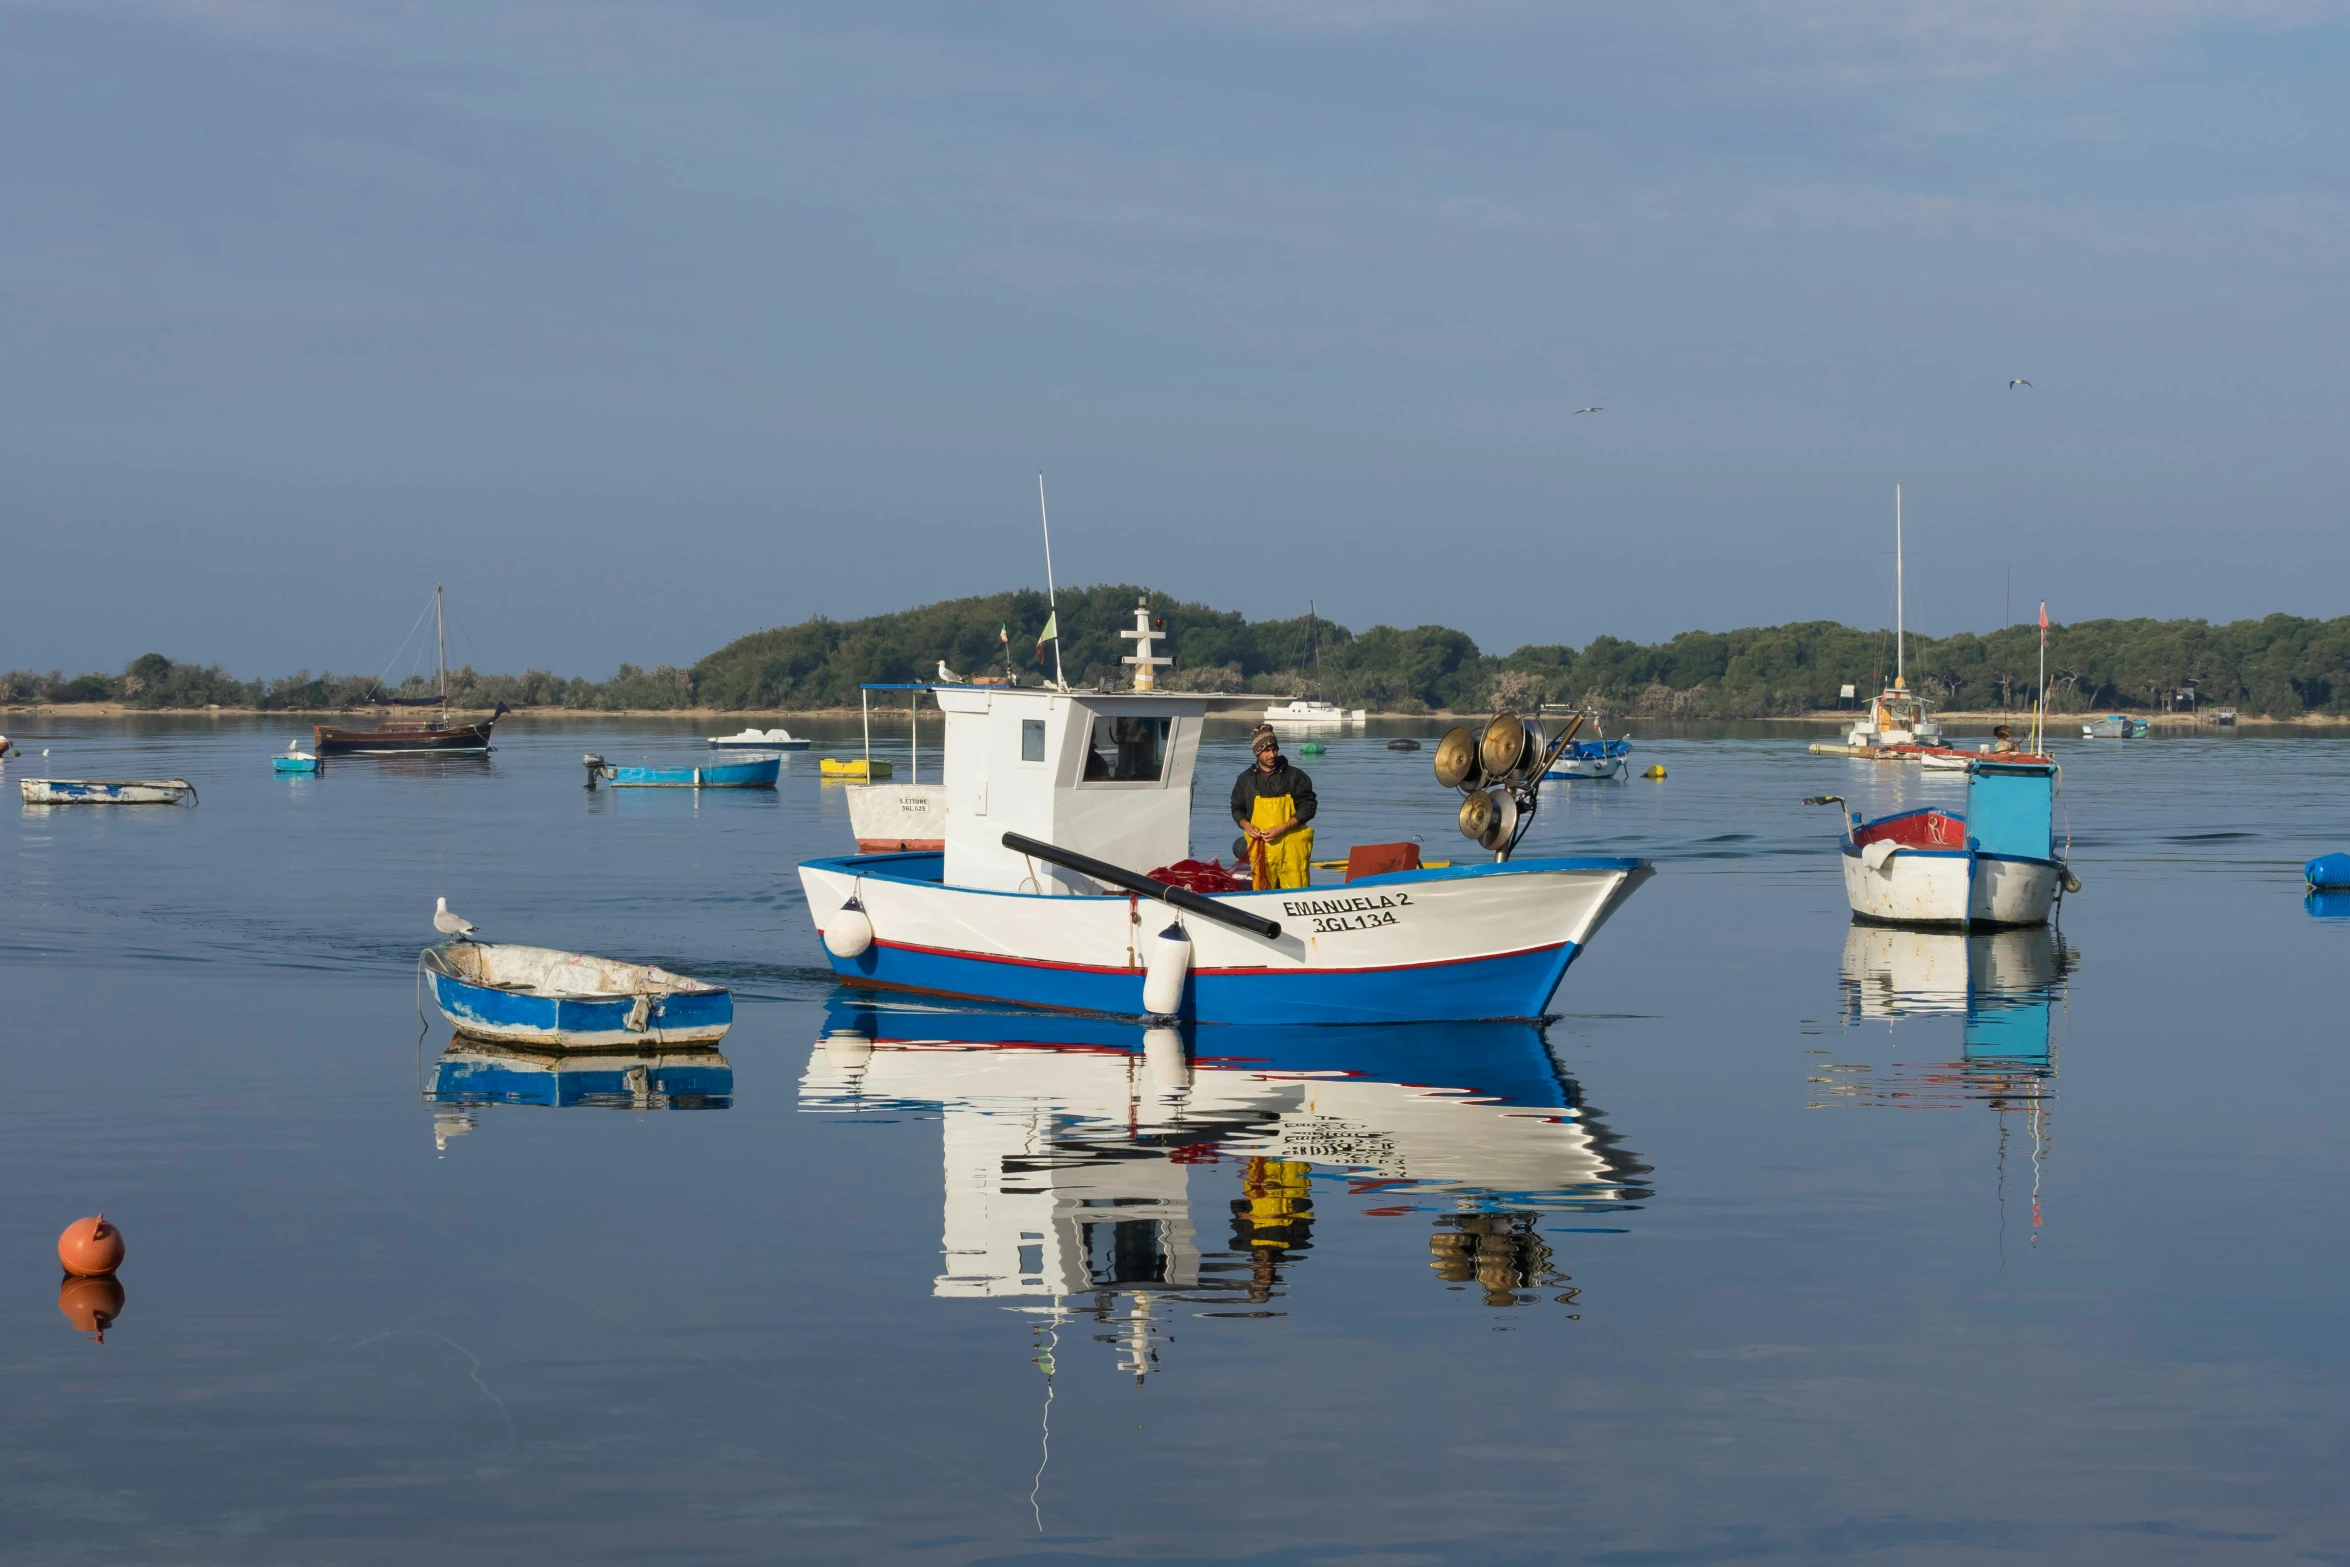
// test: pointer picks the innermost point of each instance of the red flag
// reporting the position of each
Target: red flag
(2043, 620)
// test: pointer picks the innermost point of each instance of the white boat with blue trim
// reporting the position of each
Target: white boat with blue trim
(1995, 864)
(548, 999)
(1058, 798)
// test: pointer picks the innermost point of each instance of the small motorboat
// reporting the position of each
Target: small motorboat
(1995, 864)
(749, 772)
(1598, 757)
(551, 1000)
(760, 740)
(856, 767)
(2116, 726)
(294, 760)
(1303, 711)
(102, 791)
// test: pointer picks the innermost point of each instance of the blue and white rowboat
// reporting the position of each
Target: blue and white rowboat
(552, 1000)
(749, 772)
(99, 791)
(1591, 759)
(1997, 864)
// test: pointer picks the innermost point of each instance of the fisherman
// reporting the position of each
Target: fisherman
(1272, 803)
(2003, 740)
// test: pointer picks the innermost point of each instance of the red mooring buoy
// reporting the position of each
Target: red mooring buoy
(90, 1248)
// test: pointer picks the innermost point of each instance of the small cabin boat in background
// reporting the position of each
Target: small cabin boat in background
(1994, 864)
(1897, 715)
(1304, 711)
(760, 740)
(103, 791)
(551, 1000)
(2116, 726)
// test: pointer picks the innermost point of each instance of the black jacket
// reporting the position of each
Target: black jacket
(1286, 779)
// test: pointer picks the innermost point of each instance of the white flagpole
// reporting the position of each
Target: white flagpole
(1900, 668)
(1051, 599)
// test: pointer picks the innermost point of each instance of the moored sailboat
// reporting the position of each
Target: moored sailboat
(1897, 715)
(435, 736)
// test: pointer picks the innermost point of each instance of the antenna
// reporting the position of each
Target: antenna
(441, 625)
(1051, 599)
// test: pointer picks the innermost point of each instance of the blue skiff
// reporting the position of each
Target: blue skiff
(551, 1000)
(749, 772)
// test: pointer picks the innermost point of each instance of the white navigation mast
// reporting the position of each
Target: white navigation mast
(1145, 658)
(1900, 670)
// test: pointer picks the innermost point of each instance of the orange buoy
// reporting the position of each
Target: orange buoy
(90, 1248)
(91, 1305)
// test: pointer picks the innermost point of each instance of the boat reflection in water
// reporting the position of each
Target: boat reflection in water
(473, 1073)
(2002, 989)
(1084, 1157)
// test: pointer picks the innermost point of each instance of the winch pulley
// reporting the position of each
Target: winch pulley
(1499, 774)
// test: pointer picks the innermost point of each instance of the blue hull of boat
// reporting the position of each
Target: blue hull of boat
(759, 774)
(295, 764)
(576, 1022)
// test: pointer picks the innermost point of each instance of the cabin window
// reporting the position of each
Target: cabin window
(1127, 750)
(1031, 739)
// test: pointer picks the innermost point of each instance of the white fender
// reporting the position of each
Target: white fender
(849, 932)
(1164, 1059)
(1873, 856)
(1164, 972)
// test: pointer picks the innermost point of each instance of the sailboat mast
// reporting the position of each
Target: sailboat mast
(1051, 598)
(1900, 683)
(440, 616)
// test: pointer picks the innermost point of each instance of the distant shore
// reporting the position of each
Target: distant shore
(1825, 718)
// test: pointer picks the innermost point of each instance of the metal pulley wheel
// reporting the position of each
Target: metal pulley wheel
(1505, 821)
(1478, 814)
(1504, 746)
(1456, 759)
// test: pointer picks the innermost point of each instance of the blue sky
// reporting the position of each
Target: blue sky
(643, 326)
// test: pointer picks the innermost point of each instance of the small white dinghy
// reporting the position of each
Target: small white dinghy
(760, 739)
(101, 791)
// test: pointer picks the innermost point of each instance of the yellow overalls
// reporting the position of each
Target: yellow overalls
(1288, 863)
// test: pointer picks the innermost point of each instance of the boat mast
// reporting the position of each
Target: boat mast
(1900, 682)
(1051, 600)
(441, 626)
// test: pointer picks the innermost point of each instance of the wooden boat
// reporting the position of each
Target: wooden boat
(99, 791)
(438, 736)
(749, 772)
(553, 1000)
(1995, 864)
(761, 740)
(856, 767)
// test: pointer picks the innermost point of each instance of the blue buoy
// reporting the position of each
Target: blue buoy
(2328, 870)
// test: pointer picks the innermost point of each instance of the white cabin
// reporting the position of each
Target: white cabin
(1105, 773)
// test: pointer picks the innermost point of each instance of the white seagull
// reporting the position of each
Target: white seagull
(2012, 385)
(452, 924)
(1593, 410)
(948, 675)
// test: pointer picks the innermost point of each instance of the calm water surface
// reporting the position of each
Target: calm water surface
(1781, 1241)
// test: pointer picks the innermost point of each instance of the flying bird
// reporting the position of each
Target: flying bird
(1591, 410)
(452, 924)
(948, 675)
(2012, 385)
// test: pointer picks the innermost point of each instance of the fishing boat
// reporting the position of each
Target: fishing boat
(2116, 726)
(760, 740)
(1598, 757)
(748, 772)
(437, 736)
(553, 1000)
(1994, 864)
(1055, 799)
(1304, 711)
(294, 760)
(105, 791)
(856, 767)
(1896, 716)
(475, 1072)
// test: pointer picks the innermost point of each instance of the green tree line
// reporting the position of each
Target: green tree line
(2281, 666)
